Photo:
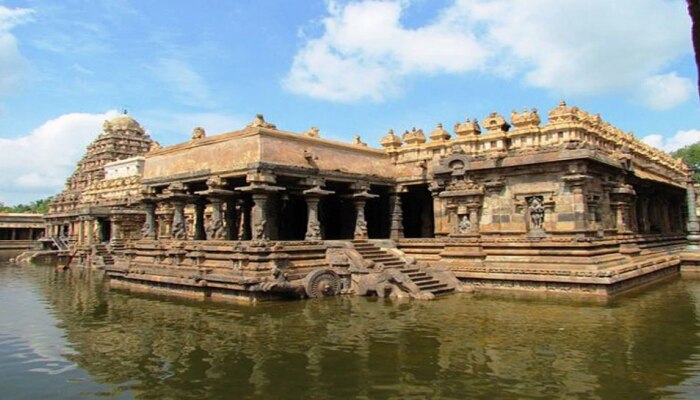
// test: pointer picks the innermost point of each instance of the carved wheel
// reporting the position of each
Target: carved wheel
(322, 283)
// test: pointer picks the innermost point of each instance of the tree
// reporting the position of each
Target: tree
(36, 207)
(691, 155)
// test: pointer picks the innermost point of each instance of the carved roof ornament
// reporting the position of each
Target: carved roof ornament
(357, 141)
(468, 128)
(439, 134)
(495, 123)
(563, 114)
(312, 132)
(259, 122)
(198, 133)
(414, 137)
(390, 140)
(526, 119)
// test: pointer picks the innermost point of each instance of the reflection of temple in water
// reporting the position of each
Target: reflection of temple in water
(348, 347)
(574, 206)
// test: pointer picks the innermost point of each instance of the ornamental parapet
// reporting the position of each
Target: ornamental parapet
(567, 128)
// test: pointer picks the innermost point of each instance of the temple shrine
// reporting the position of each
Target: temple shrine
(574, 205)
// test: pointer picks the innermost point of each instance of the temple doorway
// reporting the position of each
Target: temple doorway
(418, 217)
(336, 212)
(378, 213)
(105, 229)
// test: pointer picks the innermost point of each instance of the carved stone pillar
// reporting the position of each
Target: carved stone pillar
(359, 201)
(621, 199)
(396, 228)
(260, 188)
(90, 231)
(693, 225)
(360, 222)
(179, 225)
(258, 221)
(216, 229)
(313, 226)
(81, 231)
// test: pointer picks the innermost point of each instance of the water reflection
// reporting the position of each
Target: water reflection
(459, 347)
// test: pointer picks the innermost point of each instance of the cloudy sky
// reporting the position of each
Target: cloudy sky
(348, 67)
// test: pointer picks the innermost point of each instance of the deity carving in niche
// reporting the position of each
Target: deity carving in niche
(464, 224)
(536, 211)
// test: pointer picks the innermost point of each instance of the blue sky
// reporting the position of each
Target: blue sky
(348, 67)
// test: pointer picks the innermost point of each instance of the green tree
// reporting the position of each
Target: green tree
(36, 207)
(691, 155)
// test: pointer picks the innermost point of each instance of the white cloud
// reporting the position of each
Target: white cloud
(187, 86)
(37, 165)
(564, 46)
(675, 142)
(662, 92)
(12, 64)
(365, 51)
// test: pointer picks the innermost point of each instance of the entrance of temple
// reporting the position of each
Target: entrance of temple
(418, 212)
(105, 229)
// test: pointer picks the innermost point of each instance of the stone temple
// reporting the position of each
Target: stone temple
(574, 205)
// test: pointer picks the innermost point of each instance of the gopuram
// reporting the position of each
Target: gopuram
(574, 205)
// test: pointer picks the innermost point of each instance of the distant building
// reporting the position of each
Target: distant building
(20, 231)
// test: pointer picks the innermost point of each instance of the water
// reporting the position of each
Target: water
(64, 335)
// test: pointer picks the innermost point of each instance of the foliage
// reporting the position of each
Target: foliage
(37, 207)
(691, 155)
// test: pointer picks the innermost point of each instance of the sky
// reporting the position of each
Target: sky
(346, 67)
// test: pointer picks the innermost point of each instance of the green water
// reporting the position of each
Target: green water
(65, 335)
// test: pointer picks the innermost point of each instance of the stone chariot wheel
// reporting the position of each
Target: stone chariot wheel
(322, 283)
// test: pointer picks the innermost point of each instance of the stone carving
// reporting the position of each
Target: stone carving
(525, 119)
(179, 231)
(468, 128)
(322, 283)
(495, 123)
(464, 224)
(198, 133)
(259, 229)
(536, 211)
(216, 229)
(357, 141)
(390, 140)
(416, 136)
(313, 132)
(439, 134)
(259, 122)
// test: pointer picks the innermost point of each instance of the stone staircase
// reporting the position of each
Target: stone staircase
(424, 280)
(103, 252)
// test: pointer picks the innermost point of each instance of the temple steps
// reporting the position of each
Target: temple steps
(422, 279)
(102, 251)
